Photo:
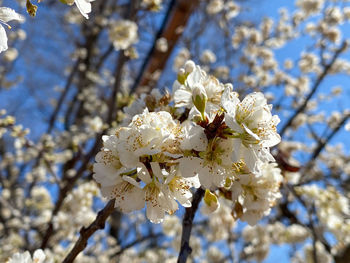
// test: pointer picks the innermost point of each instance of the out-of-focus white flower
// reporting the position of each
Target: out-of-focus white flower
(11, 54)
(310, 6)
(258, 241)
(153, 5)
(181, 58)
(38, 257)
(84, 6)
(331, 207)
(123, 34)
(171, 225)
(208, 57)
(232, 10)
(7, 15)
(215, 6)
(214, 255)
(162, 44)
(347, 126)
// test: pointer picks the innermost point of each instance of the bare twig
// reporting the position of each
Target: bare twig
(86, 233)
(319, 80)
(187, 223)
(137, 241)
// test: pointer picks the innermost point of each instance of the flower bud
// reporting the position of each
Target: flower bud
(189, 66)
(211, 202)
(199, 98)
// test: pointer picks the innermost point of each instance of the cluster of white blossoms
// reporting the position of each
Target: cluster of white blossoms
(200, 136)
(331, 207)
(259, 238)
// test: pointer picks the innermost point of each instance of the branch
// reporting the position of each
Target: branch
(137, 241)
(86, 233)
(155, 59)
(187, 223)
(153, 49)
(315, 87)
(63, 96)
(320, 146)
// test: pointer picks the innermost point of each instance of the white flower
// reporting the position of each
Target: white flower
(253, 128)
(6, 15)
(123, 34)
(208, 57)
(215, 6)
(213, 165)
(84, 6)
(185, 93)
(232, 10)
(115, 180)
(310, 6)
(347, 126)
(255, 194)
(193, 137)
(162, 44)
(162, 189)
(181, 58)
(38, 257)
(148, 134)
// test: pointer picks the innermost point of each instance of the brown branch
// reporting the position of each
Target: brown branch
(319, 80)
(87, 232)
(63, 96)
(187, 224)
(155, 59)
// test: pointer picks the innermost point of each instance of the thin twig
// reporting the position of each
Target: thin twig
(319, 80)
(137, 241)
(86, 233)
(187, 223)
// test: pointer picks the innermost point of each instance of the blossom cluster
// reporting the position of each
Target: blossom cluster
(201, 135)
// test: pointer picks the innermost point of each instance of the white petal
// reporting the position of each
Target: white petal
(229, 101)
(189, 166)
(128, 197)
(155, 213)
(8, 14)
(84, 7)
(3, 39)
(39, 256)
(143, 173)
(183, 98)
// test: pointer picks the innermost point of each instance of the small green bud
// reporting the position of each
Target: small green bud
(199, 98)
(211, 201)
